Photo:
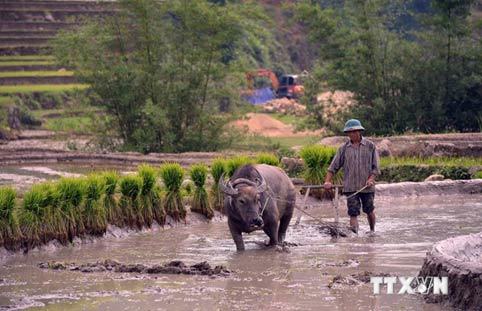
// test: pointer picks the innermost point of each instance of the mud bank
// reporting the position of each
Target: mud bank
(458, 144)
(173, 267)
(444, 187)
(459, 259)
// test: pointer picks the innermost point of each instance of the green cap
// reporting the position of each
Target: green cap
(353, 125)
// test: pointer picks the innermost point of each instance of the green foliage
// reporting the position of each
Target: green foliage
(172, 175)
(399, 173)
(423, 81)
(317, 158)
(267, 158)
(236, 162)
(200, 202)
(160, 70)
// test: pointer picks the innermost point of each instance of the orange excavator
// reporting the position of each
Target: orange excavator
(290, 86)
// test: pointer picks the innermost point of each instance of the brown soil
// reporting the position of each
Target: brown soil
(173, 267)
(265, 125)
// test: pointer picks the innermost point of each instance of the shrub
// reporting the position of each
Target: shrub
(200, 202)
(172, 176)
(267, 158)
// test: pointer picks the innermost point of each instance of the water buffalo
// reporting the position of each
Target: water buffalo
(258, 197)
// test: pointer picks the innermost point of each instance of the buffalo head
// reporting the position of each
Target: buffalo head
(245, 199)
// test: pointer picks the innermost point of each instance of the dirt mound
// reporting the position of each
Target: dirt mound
(334, 104)
(284, 106)
(173, 267)
(265, 125)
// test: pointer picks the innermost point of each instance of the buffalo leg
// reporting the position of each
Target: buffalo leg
(283, 226)
(271, 230)
(237, 237)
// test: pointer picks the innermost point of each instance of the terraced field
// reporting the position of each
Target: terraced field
(26, 30)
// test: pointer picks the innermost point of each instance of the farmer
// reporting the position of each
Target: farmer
(360, 162)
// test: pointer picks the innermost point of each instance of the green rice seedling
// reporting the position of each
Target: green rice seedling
(111, 205)
(55, 222)
(172, 175)
(130, 187)
(9, 231)
(234, 163)
(93, 212)
(200, 201)
(70, 193)
(158, 206)
(316, 159)
(148, 175)
(267, 158)
(218, 168)
(33, 217)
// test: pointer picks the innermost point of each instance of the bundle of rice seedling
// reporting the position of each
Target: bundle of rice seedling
(234, 163)
(94, 213)
(33, 217)
(148, 175)
(172, 175)
(130, 187)
(316, 159)
(55, 222)
(267, 158)
(200, 202)
(111, 206)
(157, 205)
(69, 193)
(218, 168)
(9, 231)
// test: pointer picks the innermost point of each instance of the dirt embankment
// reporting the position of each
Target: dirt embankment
(459, 144)
(459, 259)
(265, 125)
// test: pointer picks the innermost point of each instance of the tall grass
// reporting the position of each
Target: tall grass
(130, 187)
(200, 201)
(70, 192)
(94, 213)
(218, 168)
(9, 231)
(172, 175)
(267, 158)
(234, 163)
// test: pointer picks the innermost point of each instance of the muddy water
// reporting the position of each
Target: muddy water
(263, 279)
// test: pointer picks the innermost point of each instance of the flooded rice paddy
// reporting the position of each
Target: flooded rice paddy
(264, 279)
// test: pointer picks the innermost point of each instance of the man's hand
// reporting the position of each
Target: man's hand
(370, 181)
(327, 185)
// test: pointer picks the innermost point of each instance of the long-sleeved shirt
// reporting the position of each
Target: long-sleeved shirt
(358, 163)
